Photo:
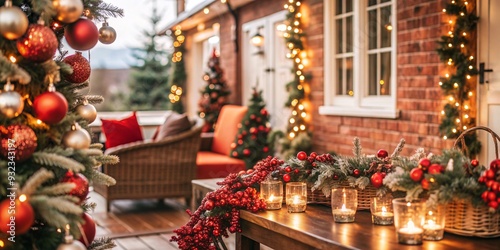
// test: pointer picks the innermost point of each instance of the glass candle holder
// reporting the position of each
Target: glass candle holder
(381, 209)
(434, 223)
(296, 197)
(344, 204)
(408, 220)
(272, 193)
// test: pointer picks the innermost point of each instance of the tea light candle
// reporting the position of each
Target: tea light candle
(410, 234)
(296, 197)
(409, 220)
(272, 193)
(344, 204)
(434, 226)
(383, 218)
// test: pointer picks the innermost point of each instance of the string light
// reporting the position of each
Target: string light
(175, 90)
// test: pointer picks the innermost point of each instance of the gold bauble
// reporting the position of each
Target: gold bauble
(13, 21)
(87, 112)
(11, 102)
(77, 138)
(107, 34)
(68, 11)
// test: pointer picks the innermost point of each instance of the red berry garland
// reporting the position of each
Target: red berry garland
(219, 210)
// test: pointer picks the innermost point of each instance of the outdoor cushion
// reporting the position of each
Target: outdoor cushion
(119, 132)
(225, 130)
(214, 165)
(174, 124)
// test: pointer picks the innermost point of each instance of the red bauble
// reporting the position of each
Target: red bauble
(286, 178)
(23, 215)
(50, 107)
(475, 163)
(424, 183)
(82, 34)
(435, 169)
(302, 155)
(288, 169)
(424, 164)
(416, 174)
(490, 174)
(263, 112)
(265, 149)
(382, 153)
(495, 165)
(81, 189)
(18, 141)
(377, 180)
(38, 44)
(87, 229)
(246, 152)
(356, 172)
(81, 68)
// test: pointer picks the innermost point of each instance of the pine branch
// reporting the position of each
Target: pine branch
(12, 71)
(51, 216)
(94, 99)
(56, 189)
(102, 179)
(55, 160)
(65, 204)
(108, 159)
(102, 244)
(357, 147)
(398, 149)
(92, 152)
(96, 146)
(44, 7)
(36, 180)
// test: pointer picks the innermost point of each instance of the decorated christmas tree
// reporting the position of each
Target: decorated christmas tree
(251, 142)
(46, 157)
(213, 96)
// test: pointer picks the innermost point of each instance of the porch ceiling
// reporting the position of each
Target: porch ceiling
(190, 19)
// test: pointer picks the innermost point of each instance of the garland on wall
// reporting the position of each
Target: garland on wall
(177, 81)
(456, 49)
(297, 136)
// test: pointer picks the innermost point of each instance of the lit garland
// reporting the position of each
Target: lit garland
(456, 49)
(297, 99)
(178, 79)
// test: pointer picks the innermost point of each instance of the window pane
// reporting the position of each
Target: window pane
(338, 7)
(348, 6)
(348, 31)
(349, 72)
(372, 2)
(385, 73)
(385, 1)
(372, 29)
(372, 75)
(338, 39)
(385, 36)
(340, 83)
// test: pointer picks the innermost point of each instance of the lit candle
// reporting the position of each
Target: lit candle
(297, 204)
(344, 204)
(410, 234)
(296, 197)
(383, 218)
(343, 214)
(432, 230)
(272, 193)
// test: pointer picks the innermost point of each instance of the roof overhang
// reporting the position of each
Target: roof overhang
(190, 19)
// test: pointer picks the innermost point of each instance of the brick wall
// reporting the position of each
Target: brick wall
(418, 96)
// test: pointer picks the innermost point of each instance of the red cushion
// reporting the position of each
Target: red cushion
(226, 128)
(123, 131)
(213, 165)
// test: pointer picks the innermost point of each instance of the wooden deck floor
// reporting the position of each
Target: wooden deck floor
(141, 224)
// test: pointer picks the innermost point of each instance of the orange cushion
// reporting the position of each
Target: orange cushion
(226, 128)
(212, 165)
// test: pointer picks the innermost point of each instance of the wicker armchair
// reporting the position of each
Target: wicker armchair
(157, 169)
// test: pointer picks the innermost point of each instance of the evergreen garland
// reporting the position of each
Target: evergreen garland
(456, 49)
(177, 79)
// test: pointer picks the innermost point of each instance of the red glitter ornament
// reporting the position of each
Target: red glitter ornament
(87, 229)
(82, 34)
(50, 107)
(81, 189)
(81, 68)
(38, 44)
(18, 141)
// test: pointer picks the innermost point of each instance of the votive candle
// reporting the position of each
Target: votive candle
(296, 197)
(272, 193)
(344, 204)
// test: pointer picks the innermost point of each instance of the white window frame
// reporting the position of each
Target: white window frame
(359, 105)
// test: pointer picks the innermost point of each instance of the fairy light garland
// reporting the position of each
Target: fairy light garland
(176, 88)
(297, 88)
(456, 50)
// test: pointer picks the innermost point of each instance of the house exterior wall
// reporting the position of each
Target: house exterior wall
(419, 99)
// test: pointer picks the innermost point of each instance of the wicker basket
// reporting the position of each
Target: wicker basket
(464, 219)
(364, 196)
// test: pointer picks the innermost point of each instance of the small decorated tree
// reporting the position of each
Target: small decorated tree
(213, 96)
(251, 142)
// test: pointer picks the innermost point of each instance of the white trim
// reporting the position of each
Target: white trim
(359, 112)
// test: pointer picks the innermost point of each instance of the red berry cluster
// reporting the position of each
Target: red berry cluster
(301, 167)
(425, 166)
(491, 178)
(219, 210)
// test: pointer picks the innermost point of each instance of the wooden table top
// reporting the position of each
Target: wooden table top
(315, 227)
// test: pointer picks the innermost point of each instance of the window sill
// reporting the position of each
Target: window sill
(359, 112)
